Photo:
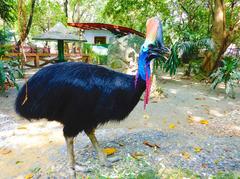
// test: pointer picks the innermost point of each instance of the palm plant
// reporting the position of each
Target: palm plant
(184, 52)
(228, 74)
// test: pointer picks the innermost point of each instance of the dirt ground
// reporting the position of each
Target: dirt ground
(189, 109)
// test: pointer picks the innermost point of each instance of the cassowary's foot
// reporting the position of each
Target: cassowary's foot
(104, 161)
(102, 157)
(82, 168)
(108, 162)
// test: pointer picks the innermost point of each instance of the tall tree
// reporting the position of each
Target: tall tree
(24, 28)
(225, 28)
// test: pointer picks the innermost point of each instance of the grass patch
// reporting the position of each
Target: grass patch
(171, 174)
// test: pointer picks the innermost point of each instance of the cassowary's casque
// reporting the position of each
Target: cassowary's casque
(82, 96)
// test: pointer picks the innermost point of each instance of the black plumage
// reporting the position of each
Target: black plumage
(80, 96)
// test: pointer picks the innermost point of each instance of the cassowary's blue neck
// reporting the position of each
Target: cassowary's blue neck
(143, 64)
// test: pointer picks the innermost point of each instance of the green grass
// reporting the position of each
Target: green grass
(171, 174)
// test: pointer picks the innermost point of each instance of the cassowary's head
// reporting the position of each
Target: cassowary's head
(152, 48)
(153, 44)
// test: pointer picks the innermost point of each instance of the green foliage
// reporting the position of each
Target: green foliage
(96, 59)
(8, 11)
(8, 69)
(46, 14)
(228, 74)
(134, 13)
(87, 48)
(4, 39)
(173, 61)
(8, 72)
(86, 11)
(222, 175)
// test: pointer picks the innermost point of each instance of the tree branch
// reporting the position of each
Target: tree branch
(233, 3)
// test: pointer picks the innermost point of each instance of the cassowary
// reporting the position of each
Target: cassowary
(83, 96)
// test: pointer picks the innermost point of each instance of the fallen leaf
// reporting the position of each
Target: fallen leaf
(197, 149)
(146, 116)
(120, 144)
(22, 128)
(35, 170)
(109, 151)
(200, 98)
(196, 119)
(5, 151)
(18, 162)
(150, 144)
(29, 176)
(203, 121)
(164, 120)
(185, 155)
(171, 126)
(137, 155)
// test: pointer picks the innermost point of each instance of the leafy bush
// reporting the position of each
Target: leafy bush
(228, 74)
(187, 52)
(5, 36)
(8, 72)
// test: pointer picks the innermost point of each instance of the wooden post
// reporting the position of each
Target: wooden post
(37, 61)
(60, 51)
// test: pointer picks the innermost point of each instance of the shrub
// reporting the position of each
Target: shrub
(228, 74)
(8, 72)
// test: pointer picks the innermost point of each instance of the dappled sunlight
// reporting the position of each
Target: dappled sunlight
(215, 98)
(35, 134)
(216, 113)
(173, 91)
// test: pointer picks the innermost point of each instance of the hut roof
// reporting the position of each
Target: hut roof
(58, 32)
(116, 29)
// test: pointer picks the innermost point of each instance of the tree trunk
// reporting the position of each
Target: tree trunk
(25, 32)
(66, 8)
(221, 37)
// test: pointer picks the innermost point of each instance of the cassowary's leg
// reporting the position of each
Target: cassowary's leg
(101, 155)
(71, 158)
(70, 152)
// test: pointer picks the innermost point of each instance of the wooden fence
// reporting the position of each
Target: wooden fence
(36, 60)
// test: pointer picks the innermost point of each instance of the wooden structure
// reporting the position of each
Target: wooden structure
(37, 60)
(60, 34)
